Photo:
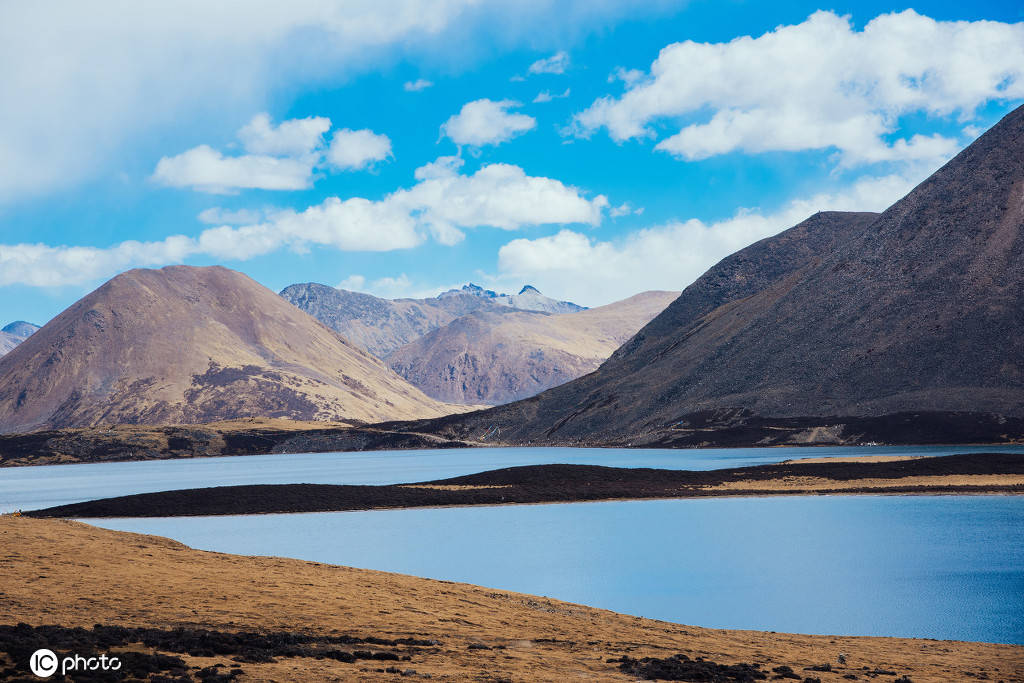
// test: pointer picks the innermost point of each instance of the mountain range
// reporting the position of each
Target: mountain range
(382, 325)
(491, 357)
(474, 346)
(915, 314)
(194, 345)
(528, 299)
(909, 322)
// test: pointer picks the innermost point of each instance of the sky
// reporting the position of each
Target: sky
(591, 148)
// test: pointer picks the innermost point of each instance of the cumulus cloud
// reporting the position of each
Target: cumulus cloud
(670, 256)
(292, 138)
(555, 64)
(417, 85)
(205, 169)
(282, 157)
(40, 265)
(498, 195)
(442, 203)
(817, 85)
(546, 96)
(356, 149)
(485, 122)
(82, 83)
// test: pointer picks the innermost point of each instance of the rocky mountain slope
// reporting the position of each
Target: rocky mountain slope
(13, 334)
(189, 345)
(492, 357)
(915, 312)
(382, 325)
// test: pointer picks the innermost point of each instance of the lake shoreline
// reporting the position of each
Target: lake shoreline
(262, 436)
(373, 625)
(965, 474)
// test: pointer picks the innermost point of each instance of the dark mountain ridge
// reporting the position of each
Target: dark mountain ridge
(919, 310)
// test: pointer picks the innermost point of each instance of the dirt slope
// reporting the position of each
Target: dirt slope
(188, 345)
(492, 358)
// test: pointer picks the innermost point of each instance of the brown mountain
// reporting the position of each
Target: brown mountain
(914, 313)
(489, 357)
(189, 345)
(382, 325)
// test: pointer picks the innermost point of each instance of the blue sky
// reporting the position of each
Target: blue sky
(403, 148)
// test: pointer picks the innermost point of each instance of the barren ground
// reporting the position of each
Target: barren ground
(72, 574)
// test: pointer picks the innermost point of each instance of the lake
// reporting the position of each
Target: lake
(27, 488)
(949, 567)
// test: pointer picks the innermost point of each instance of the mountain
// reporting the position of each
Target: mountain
(8, 342)
(20, 328)
(490, 357)
(15, 333)
(190, 345)
(528, 299)
(914, 313)
(382, 325)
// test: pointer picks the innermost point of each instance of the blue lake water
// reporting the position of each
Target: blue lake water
(27, 488)
(949, 567)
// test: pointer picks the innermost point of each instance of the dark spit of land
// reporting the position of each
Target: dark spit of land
(968, 473)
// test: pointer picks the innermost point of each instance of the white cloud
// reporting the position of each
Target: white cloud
(497, 195)
(624, 209)
(546, 96)
(82, 83)
(292, 138)
(485, 122)
(205, 169)
(385, 287)
(555, 64)
(671, 256)
(356, 149)
(401, 287)
(282, 157)
(40, 265)
(355, 224)
(818, 85)
(353, 283)
(441, 204)
(218, 216)
(628, 76)
(417, 85)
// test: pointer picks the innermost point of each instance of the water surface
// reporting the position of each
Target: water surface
(949, 567)
(27, 488)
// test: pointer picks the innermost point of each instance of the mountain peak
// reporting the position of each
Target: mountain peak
(529, 288)
(903, 317)
(193, 344)
(20, 328)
